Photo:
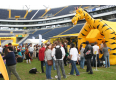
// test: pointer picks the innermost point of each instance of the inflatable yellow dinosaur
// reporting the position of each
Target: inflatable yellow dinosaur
(105, 31)
(3, 69)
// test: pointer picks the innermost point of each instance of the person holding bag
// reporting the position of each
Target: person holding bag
(48, 61)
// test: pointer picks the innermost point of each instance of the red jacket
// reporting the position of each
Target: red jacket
(41, 54)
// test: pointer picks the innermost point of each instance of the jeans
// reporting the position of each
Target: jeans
(23, 55)
(88, 58)
(82, 62)
(54, 65)
(107, 60)
(48, 71)
(97, 60)
(42, 66)
(61, 64)
(74, 68)
(65, 60)
(44, 63)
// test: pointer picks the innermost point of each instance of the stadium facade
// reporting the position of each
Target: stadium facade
(49, 22)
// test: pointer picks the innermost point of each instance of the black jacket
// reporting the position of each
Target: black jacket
(88, 47)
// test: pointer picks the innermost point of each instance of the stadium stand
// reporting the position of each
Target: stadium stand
(30, 14)
(39, 14)
(54, 32)
(4, 14)
(4, 31)
(18, 31)
(20, 13)
(75, 29)
(53, 11)
(31, 31)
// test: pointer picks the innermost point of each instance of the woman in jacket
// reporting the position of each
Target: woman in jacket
(41, 56)
(48, 53)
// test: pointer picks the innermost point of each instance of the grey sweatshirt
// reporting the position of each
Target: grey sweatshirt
(105, 51)
(81, 52)
(48, 55)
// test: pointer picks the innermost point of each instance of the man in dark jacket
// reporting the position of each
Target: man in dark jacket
(88, 55)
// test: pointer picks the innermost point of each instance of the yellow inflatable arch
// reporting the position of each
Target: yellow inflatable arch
(8, 38)
(101, 30)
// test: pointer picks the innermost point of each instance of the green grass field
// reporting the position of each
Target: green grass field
(102, 73)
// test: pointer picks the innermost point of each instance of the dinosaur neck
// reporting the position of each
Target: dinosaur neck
(88, 18)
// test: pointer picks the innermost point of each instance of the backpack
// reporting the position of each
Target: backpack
(33, 71)
(58, 53)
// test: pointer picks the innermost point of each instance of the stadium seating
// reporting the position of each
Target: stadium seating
(36, 34)
(39, 14)
(20, 13)
(4, 31)
(54, 32)
(54, 11)
(4, 14)
(18, 31)
(31, 31)
(75, 29)
(30, 14)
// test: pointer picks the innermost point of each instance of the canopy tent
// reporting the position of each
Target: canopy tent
(34, 41)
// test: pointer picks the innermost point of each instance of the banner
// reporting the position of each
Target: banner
(40, 39)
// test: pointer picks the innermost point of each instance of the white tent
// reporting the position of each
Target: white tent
(34, 41)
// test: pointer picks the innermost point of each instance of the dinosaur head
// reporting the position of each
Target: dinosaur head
(79, 15)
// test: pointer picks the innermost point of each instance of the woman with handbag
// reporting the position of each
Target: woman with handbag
(48, 61)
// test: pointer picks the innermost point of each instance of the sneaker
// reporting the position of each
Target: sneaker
(70, 74)
(51, 78)
(56, 76)
(77, 75)
(65, 77)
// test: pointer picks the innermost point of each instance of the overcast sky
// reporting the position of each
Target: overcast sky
(38, 4)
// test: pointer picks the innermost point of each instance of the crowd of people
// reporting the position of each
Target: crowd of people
(57, 53)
